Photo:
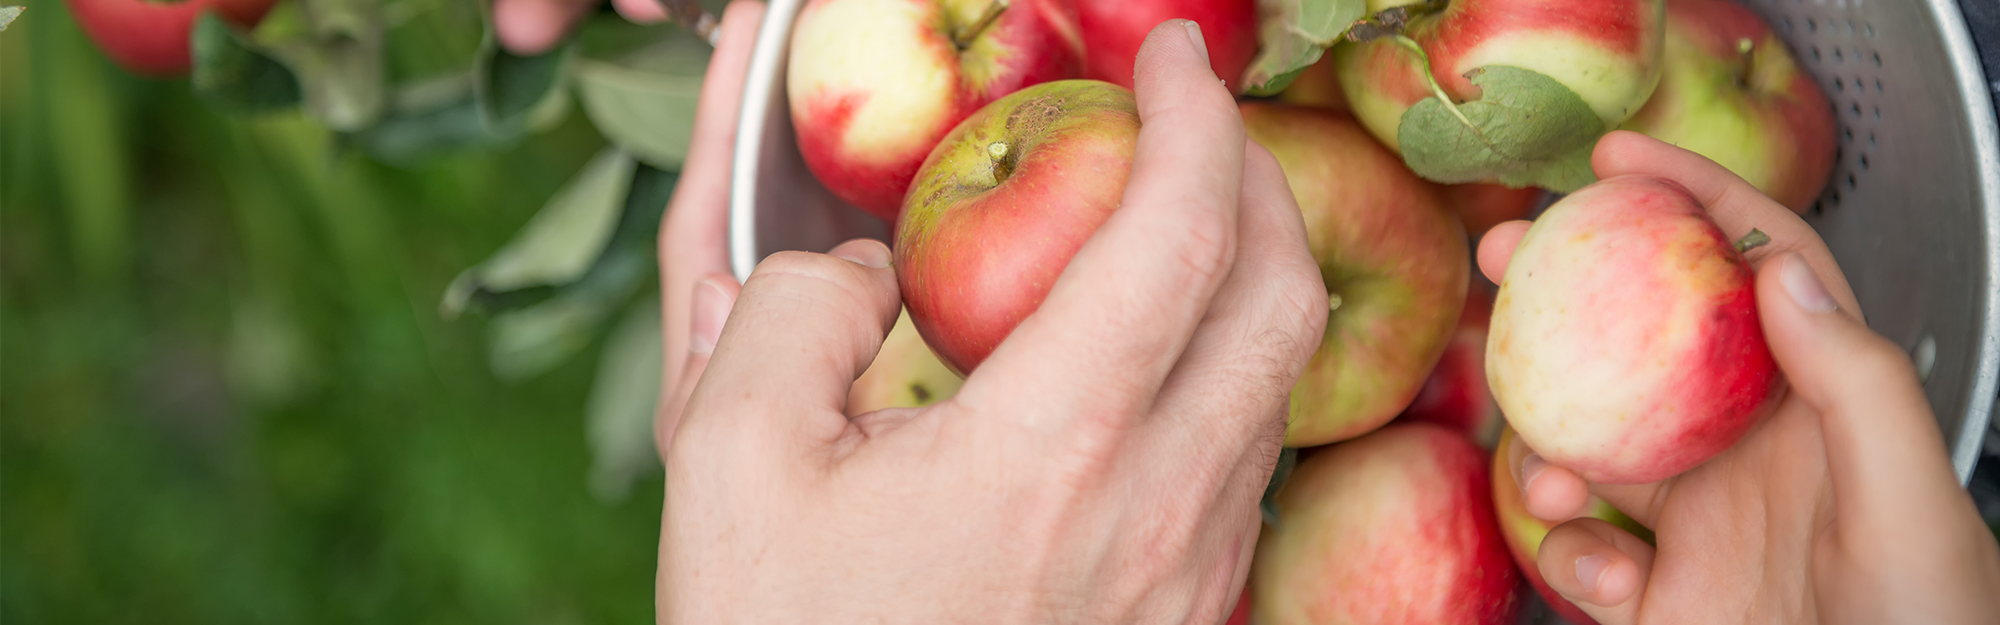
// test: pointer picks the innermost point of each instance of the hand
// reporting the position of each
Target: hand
(1841, 506)
(1103, 465)
(531, 27)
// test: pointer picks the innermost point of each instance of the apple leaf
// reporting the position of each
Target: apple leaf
(561, 242)
(644, 101)
(619, 417)
(231, 74)
(1526, 129)
(7, 15)
(1292, 36)
(509, 88)
(1287, 460)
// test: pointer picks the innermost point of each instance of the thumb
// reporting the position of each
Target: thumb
(1884, 450)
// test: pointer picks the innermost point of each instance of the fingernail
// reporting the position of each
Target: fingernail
(709, 308)
(1590, 571)
(1532, 468)
(1194, 37)
(865, 252)
(1804, 285)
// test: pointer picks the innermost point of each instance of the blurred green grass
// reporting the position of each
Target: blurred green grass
(225, 392)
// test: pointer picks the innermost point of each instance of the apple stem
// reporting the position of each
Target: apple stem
(1333, 302)
(1003, 166)
(964, 37)
(1424, 63)
(1754, 240)
(1746, 51)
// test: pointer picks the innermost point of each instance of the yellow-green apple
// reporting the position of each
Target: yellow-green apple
(873, 84)
(1606, 52)
(1524, 532)
(1003, 204)
(1484, 205)
(1316, 86)
(1394, 527)
(1455, 394)
(905, 374)
(1625, 343)
(1732, 92)
(1113, 30)
(1394, 261)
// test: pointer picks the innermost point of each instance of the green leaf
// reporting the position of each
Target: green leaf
(338, 59)
(1287, 460)
(645, 101)
(428, 118)
(1293, 35)
(619, 417)
(1526, 130)
(510, 88)
(7, 15)
(231, 74)
(561, 242)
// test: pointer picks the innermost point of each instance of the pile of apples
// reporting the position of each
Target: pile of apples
(1622, 343)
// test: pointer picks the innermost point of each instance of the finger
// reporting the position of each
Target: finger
(1734, 204)
(1234, 381)
(694, 235)
(709, 308)
(642, 11)
(1599, 567)
(803, 328)
(1884, 452)
(1497, 247)
(1552, 493)
(1125, 307)
(531, 27)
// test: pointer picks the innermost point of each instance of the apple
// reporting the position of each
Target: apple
(1113, 30)
(873, 84)
(1393, 527)
(1455, 394)
(1625, 343)
(905, 374)
(1394, 261)
(1731, 91)
(1606, 51)
(1483, 205)
(1241, 615)
(150, 38)
(1316, 86)
(1003, 204)
(1524, 532)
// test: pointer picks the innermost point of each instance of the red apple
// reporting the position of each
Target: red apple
(1455, 395)
(905, 374)
(1394, 527)
(1003, 204)
(1113, 30)
(1316, 86)
(874, 84)
(1241, 615)
(1394, 261)
(1524, 532)
(1606, 51)
(1625, 343)
(1485, 205)
(1732, 92)
(150, 38)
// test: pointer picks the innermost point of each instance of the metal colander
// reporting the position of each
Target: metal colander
(1912, 214)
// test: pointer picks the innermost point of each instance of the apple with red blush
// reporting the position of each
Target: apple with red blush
(1393, 527)
(1524, 532)
(1455, 394)
(1625, 343)
(1732, 92)
(874, 84)
(1114, 29)
(1394, 260)
(1003, 204)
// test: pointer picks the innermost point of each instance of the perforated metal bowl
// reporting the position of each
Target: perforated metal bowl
(1913, 213)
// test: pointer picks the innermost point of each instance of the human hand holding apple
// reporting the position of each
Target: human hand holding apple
(1103, 463)
(873, 84)
(1817, 496)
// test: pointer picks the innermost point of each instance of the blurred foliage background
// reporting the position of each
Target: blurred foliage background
(229, 394)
